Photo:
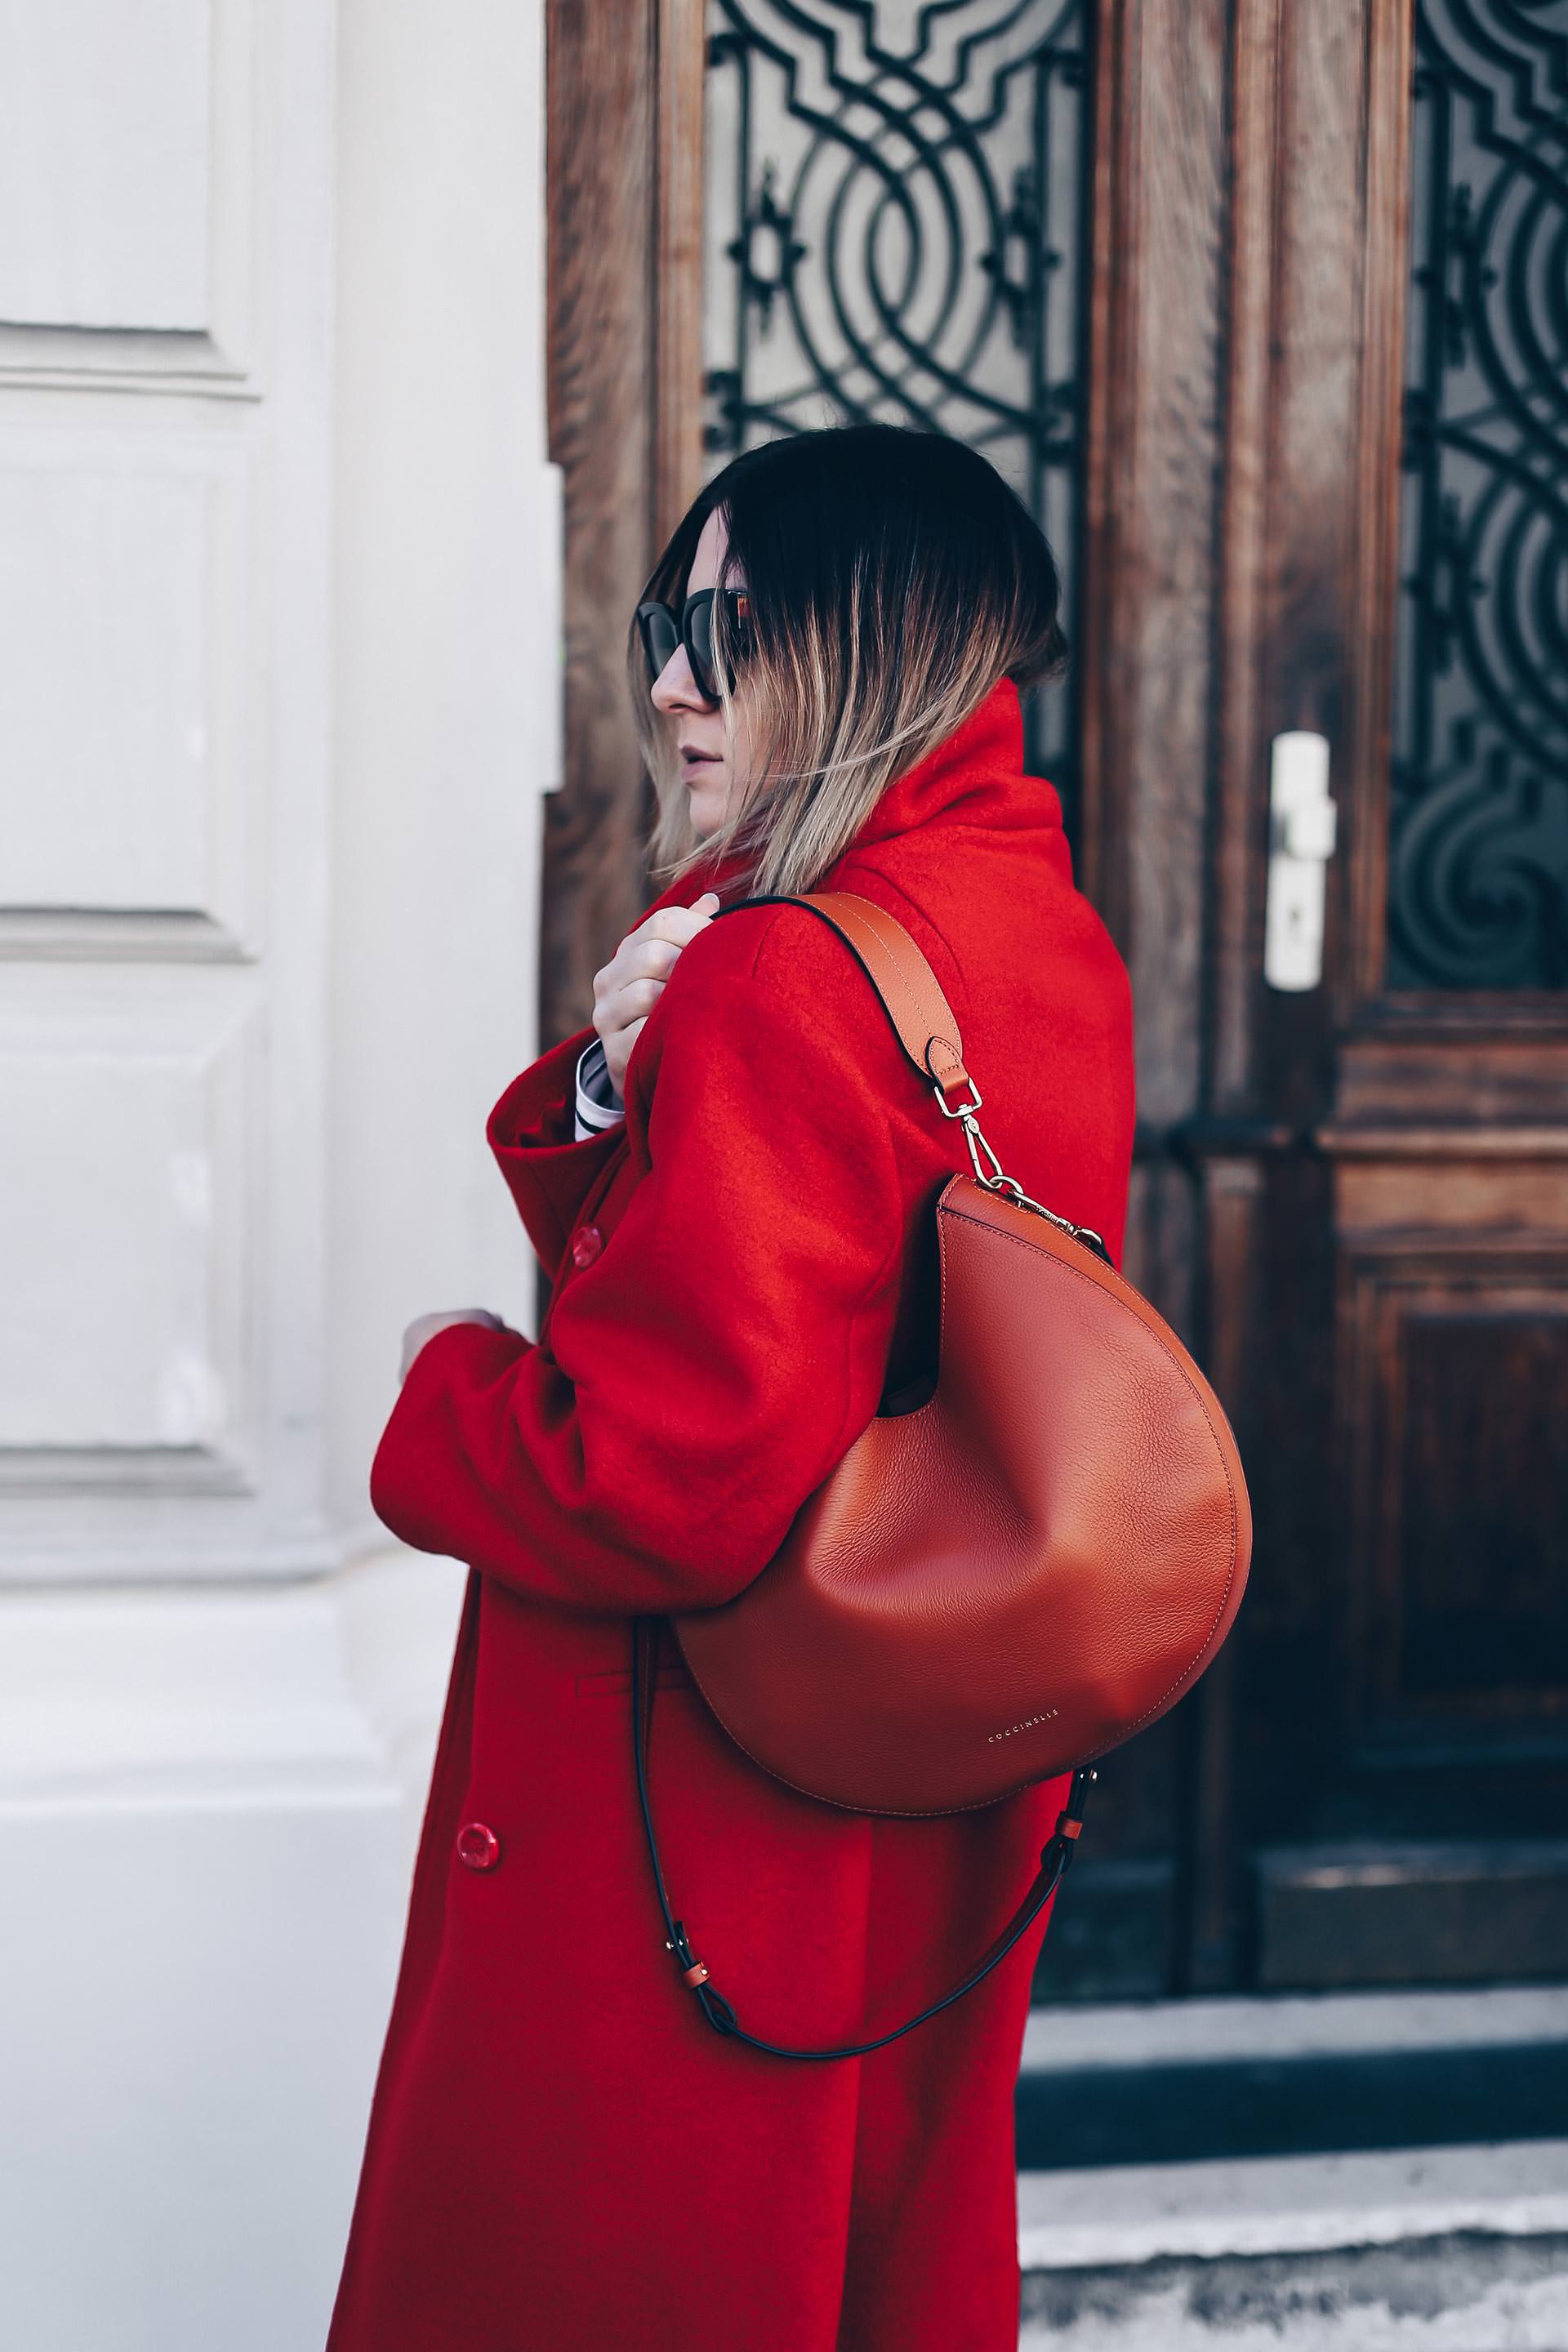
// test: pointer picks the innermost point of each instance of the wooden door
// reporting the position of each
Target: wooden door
(1198, 272)
(1384, 1159)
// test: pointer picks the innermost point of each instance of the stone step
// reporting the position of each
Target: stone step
(1410, 2250)
(1178, 2082)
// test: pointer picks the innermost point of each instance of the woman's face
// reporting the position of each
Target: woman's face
(710, 765)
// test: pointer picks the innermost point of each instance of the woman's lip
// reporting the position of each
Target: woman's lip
(699, 759)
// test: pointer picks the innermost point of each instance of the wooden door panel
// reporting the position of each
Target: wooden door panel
(624, 90)
(1454, 1394)
(1454, 1389)
(1469, 1589)
(1401, 1320)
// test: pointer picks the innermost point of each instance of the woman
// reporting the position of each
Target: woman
(728, 1177)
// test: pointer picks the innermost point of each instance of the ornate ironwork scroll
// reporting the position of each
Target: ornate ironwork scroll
(1479, 842)
(897, 200)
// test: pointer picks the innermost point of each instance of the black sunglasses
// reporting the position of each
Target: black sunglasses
(661, 631)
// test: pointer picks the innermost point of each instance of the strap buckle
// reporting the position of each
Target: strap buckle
(691, 1969)
(994, 1177)
(975, 1136)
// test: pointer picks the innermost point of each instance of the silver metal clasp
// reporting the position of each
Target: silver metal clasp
(996, 1180)
(974, 1135)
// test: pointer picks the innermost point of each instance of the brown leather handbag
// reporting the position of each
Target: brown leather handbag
(1010, 1580)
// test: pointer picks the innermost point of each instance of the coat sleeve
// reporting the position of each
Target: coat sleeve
(701, 1376)
(532, 1131)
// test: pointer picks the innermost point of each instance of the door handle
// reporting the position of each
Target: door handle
(1301, 833)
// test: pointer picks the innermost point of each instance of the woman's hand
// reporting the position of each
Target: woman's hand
(626, 989)
(424, 1327)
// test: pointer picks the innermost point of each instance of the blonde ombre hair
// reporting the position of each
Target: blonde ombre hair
(893, 578)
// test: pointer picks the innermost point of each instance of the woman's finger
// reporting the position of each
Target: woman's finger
(618, 1052)
(679, 924)
(652, 960)
(626, 989)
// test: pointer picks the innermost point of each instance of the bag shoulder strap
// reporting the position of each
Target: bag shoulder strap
(912, 997)
(911, 992)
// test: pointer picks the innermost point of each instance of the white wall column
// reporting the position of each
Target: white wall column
(280, 679)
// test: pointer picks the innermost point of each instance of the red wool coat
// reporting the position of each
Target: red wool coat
(562, 2156)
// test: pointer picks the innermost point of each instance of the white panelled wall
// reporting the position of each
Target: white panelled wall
(279, 686)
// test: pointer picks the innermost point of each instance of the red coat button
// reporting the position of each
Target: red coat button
(478, 1847)
(586, 1244)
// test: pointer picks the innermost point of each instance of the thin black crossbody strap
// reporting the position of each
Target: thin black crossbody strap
(1055, 1856)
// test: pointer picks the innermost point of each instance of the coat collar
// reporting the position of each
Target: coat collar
(974, 776)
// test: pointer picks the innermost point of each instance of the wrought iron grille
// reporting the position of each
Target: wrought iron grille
(1478, 839)
(897, 230)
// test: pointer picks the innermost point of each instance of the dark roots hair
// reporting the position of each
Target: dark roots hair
(893, 578)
